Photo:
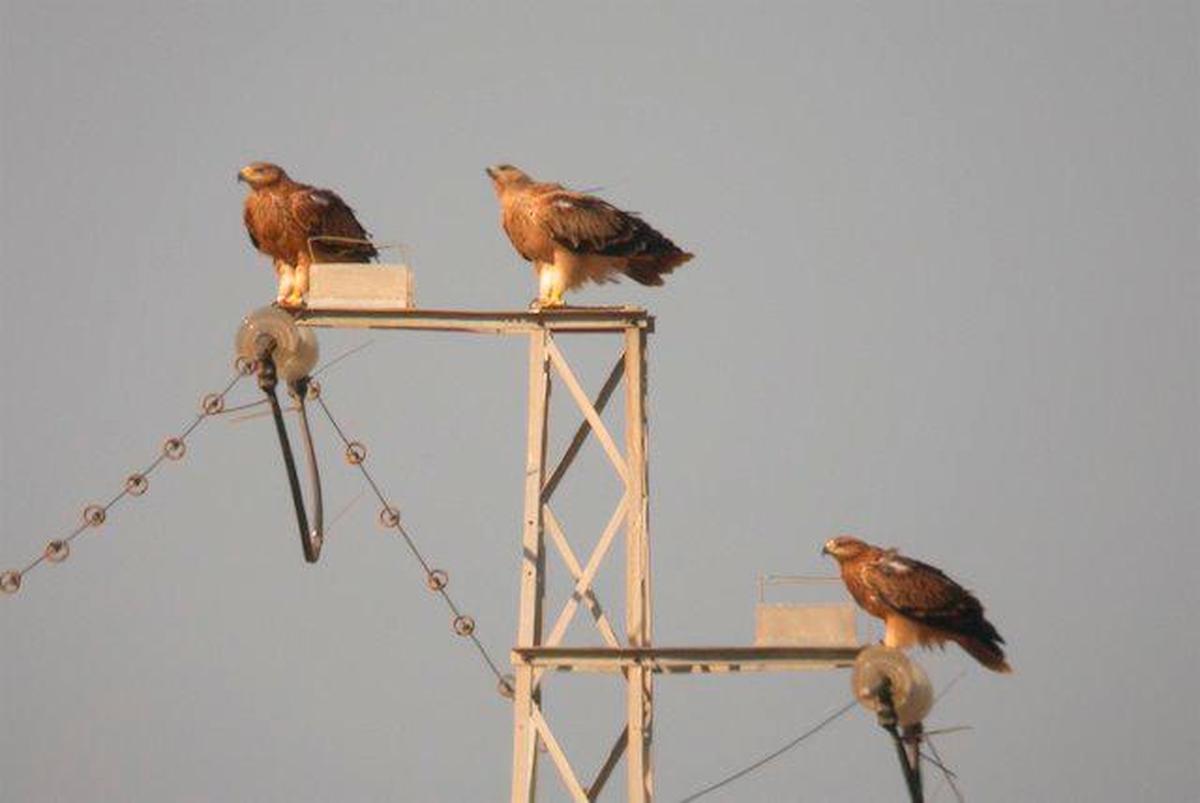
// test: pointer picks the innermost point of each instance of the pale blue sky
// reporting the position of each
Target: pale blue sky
(945, 297)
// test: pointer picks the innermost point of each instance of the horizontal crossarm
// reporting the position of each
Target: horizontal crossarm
(675, 660)
(496, 322)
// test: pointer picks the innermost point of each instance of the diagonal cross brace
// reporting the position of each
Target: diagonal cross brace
(585, 428)
(560, 758)
(582, 588)
(589, 412)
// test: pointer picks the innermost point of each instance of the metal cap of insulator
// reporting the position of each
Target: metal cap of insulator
(294, 348)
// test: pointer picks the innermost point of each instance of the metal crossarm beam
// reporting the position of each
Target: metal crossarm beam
(686, 660)
(499, 322)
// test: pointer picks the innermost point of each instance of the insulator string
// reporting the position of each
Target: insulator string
(435, 579)
(136, 484)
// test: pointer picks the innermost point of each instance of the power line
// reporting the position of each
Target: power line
(771, 756)
(818, 727)
(136, 484)
(947, 775)
(436, 580)
(345, 354)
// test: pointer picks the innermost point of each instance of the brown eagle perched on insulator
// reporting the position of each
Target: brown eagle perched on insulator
(918, 603)
(296, 224)
(571, 237)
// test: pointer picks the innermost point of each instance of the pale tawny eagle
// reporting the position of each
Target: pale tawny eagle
(296, 225)
(918, 603)
(571, 237)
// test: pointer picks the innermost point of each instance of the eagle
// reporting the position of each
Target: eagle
(296, 225)
(917, 602)
(571, 237)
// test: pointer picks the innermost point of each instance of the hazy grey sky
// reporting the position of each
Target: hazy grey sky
(945, 297)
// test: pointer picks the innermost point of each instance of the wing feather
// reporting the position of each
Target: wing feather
(322, 213)
(926, 594)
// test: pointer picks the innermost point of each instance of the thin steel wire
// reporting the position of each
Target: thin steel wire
(340, 357)
(240, 407)
(440, 589)
(814, 729)
(320, 370)
(146, 472)
(771, 756)
(946, 773)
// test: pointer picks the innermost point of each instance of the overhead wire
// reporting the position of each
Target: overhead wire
(815, 729)
(436, 580)
(947, 776)
(136, 484)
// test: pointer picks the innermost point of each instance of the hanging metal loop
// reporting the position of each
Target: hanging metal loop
(270, 340)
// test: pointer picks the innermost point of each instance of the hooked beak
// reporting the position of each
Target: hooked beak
(491, 173)
(825, 550)
(241, 176)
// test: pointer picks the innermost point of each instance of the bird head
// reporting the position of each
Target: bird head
(261, 174)
(504, 176)
(844, 547)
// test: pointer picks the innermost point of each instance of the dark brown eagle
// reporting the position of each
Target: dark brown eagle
(296, 225)
(571, 237)
(918, 603)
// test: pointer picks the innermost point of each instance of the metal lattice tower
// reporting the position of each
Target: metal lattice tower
(630, 654)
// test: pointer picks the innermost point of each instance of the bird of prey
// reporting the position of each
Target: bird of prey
(571, 237)
(917, 602)
(296, 225)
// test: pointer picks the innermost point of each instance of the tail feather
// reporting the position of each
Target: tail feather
(649, 270)
(986, 652)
